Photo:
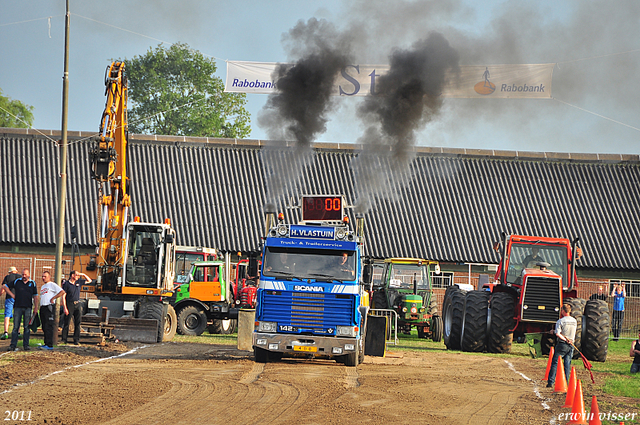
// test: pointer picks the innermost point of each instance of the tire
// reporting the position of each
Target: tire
(380, 300)
(261, 355)
(436, 328)
(595, 334)
(474, 323)
(501, 310)
(452, 310)
(192, 321)
(433, 306)
(577, 310)
(167, 322)
(223, 327)
(421, 332)
(351, 359)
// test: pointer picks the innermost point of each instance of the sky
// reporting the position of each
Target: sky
(596, 47)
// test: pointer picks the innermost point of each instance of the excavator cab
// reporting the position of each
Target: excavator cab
(150, 254)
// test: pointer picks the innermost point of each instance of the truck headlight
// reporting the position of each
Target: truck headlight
(267, 326)
(349, 347)
(346, 331)
(341, 232)
(282, 230)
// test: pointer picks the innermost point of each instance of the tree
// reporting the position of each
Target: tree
(174, 91)
(15, 114)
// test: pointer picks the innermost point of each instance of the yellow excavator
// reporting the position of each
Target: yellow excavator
(133, 268)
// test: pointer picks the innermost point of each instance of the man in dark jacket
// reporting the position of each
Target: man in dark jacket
(25, 293)
(12, 276)
(72, 289)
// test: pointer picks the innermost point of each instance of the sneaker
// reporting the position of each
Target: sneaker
(76, 343)
(26, 348)
(46, 347)
(549, 385)
(12, 349)
(4, 336)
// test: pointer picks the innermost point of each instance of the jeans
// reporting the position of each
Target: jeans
(49, 325)
(75, 313)
(566, 351)
(635, 367)
(618, 318)
(21, 314)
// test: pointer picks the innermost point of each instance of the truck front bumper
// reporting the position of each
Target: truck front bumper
(305, 344)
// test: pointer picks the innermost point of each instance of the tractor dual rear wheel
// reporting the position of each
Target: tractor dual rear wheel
(452, 310)
(501, 312)
(474, 322)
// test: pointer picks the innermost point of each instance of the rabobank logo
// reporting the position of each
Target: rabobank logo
(485, 87)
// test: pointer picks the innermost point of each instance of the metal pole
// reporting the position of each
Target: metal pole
(63, 170)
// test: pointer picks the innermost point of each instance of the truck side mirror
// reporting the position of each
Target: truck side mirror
(168, 238)
(367, 274)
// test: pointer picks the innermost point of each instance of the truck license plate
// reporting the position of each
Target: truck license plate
(307, 348)
(287, 328)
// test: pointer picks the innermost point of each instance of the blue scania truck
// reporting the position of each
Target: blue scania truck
(312, 300)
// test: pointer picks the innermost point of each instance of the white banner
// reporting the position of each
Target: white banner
(492, 81)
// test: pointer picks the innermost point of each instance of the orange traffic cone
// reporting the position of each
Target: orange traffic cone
(561, 380)
(546, 374)
(594, 415)
(578, 415)
(572, 388)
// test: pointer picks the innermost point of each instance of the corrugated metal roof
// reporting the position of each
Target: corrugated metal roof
(451, 207)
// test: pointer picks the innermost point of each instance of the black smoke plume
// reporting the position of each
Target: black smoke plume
(406, 98)
(297, 113)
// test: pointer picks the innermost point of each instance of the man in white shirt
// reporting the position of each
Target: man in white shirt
(49, 292)
(565, 333)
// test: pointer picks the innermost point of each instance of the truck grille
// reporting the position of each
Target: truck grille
(541, 300)
(308, 311)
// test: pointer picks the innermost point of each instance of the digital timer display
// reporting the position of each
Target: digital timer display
(316, 208)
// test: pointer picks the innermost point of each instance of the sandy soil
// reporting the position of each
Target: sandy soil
(178, 383)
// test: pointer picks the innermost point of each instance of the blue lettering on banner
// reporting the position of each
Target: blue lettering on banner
(522, 88)
(257, 84)
(309, 232)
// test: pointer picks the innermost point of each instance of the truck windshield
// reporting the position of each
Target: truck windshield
(318, 264)
(528, 255)
(402, 276)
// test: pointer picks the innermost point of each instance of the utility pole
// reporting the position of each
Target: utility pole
(63, 171)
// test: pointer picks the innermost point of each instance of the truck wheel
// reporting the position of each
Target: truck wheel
(261, 355)
(351, 359)
(192, 321)
(223, 327)
(474, 322)
(501, 313)
(436, 328)
(577, 310)
(595, 334)
(452, 310)
(170, 324)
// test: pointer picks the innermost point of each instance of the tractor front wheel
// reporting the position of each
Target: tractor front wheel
(436, 328)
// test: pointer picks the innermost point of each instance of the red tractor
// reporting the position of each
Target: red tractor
(246, 285)
(535, 277)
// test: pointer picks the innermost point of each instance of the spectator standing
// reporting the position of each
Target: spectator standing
(565, 332)
(72, 288)
(619, 293)
(25, 293)
(49, 293)
(600, 295)
(12, 276)
(635, 353)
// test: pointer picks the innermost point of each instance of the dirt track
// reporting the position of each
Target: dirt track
(193, 383)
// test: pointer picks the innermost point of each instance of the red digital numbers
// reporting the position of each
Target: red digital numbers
(321, 208)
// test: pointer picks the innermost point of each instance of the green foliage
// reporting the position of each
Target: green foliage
(173, 91)
(15, 114)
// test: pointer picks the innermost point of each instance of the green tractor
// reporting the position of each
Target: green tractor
(405, 287)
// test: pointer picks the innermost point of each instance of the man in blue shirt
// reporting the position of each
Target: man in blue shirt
(25, 293)
(619, 294)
